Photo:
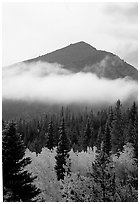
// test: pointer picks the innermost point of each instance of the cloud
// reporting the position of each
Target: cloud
(129, 11)
(121, 26)
(38, 69)
(132, 56)
(129, 52)
(50, 83)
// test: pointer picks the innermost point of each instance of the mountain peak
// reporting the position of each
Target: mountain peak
(81, 56)
(81, 44)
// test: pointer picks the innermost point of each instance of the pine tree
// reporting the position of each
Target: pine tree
(110, 117)
(50, 138)
(3, 124)
(17, 182)
(133, 112)
(133, 127)
(117, 140)
(62, 156)
(99, 137)
(126, 134)
(87, 136)
(56, 132)
(107, 139)
(135, 136)
(104, 177)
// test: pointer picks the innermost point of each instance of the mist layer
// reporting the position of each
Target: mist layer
(51, 83)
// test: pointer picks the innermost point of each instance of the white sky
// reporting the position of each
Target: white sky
(33, 29)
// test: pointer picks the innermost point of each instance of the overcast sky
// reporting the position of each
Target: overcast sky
(33, 29)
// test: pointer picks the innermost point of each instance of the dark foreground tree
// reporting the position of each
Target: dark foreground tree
(17, 182)
(62, 157)
(104, 178)
(108, 186)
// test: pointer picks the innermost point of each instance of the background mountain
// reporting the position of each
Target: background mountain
(78, 57)
(83, 57)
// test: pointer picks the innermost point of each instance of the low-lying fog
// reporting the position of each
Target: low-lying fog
(45, 82)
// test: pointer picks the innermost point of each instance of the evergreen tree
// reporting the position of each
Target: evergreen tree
(3, 124)
(104, 177)
(110, 117)
(99, 137)
(62, 156)
(133, 112)
(92, 141)
(135, 136)
(87, 136)
(117, 140)
(17, 182)
(45, 124)
(126, 134)
(50, 138)
(56, 132)
(107, 139)
(133, 127)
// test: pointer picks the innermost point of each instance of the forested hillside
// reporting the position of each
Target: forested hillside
(86, 156)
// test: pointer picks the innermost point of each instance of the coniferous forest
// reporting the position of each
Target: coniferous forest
(70, 101)
(87, 156)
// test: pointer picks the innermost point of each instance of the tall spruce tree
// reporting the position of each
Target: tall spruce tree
(110, 117)
(133, 127)
(50, 137)
(17, 182)
(117, 140)
(62, 156)
(87, 136)
(107, 133)
(107, 139)
(99, 137)
(104, 177)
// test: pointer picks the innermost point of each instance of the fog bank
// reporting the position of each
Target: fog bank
(51, 83)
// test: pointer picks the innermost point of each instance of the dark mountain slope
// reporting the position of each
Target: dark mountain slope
(83, 57)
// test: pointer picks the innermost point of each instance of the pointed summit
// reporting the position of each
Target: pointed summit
(82, 45)
(81, 56)
(74, 56)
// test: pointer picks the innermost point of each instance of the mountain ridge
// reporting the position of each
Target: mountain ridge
(82, 56)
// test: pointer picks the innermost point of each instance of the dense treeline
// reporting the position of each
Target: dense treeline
(111, 131)
(86, 129)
